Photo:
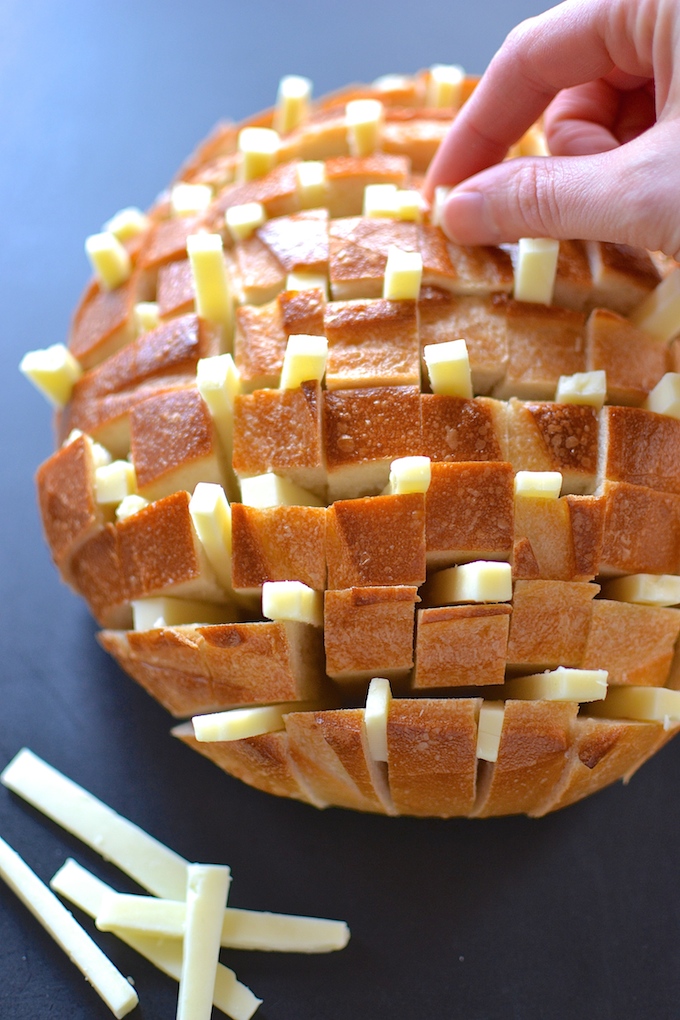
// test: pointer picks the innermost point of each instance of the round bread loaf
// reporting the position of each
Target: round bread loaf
(203, 455)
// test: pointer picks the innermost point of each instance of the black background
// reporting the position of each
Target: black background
(575, 915)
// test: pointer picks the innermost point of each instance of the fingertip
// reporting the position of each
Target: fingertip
(467, 218)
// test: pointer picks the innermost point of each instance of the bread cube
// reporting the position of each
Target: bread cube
(633, 360)
(364, 431)
(461, 646)
(368, 631)
(376, 540)
(549, 624)
(372, 343)
(283, 543)
(469, 513)
(280, 431)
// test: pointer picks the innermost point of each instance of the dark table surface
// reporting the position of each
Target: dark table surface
(575, 915)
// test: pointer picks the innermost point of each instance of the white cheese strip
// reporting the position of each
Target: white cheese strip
(267, 490)
(378, 701)
(164, 611)
(489, 730)
(448, 366)
(307, 281)
(644, 589)
(100, 455)
(441, 194)
(560, 684)
(409, 205)
(190, 199)
(647, 704)
(258, 150)
(583, 388)
(659, 313)
(292, 601)
(127, 223)
(78, 885)
(211, 515)
(304, 360)
(218, 381)
(311, 183)
(538, 484)
(206, 898)
(139, 855)
(364, 118)
(239, 723)
(53, 371)
(129, 506)
(243, 220)
(380, 200)
(479, 581)
(445, 86)
(108, 982)
(214, 300)
(403, 275)
(147, 316)
(409, 474)
(535, 270)
(292, 103)
(114, 481)
(665, 397)
(392, 83)
(241, 929)
(109, 259)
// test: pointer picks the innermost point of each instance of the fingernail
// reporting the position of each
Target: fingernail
(467, 219)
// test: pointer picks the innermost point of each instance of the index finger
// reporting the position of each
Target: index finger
(571, 44)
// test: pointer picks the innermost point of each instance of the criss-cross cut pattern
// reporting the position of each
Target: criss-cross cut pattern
(271, 243)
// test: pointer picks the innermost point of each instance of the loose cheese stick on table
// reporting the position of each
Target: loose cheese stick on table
(87, 892)
(139, 855)
(108, 982)
(206, 898)
(241, 929)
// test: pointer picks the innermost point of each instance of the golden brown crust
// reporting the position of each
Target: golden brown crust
(469, 513)
(432, 760)
(369, 631)
(173, 444)
(376, 540)
(364, 431)
(103, 322)
(631, 514)
(68, 505)
(283, 543)
(372, 343)
(543, 343)
(330, 752)
(634, 643)
(358, 254)
(602, 751)
(535, 739)
(461, 646)
(280, 431)
(633, 360)
(640, 447)
(480, 320)
(456, 429)
(262, 334)
(549, 624)
(264, 762)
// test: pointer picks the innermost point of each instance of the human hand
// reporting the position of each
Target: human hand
(607, 75)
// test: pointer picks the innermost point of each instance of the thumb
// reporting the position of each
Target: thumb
(627, 195)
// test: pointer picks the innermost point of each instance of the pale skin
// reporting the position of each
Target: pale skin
(606, 76)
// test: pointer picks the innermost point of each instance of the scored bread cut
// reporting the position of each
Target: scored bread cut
(296, 244)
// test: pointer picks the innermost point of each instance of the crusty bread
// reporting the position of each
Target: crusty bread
(365, 546)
